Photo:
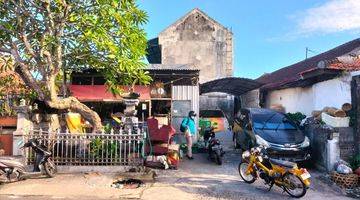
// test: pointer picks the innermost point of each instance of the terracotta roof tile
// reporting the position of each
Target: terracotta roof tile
(351, 66)
(293, 72)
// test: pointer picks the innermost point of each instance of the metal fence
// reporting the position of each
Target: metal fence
(89, 148)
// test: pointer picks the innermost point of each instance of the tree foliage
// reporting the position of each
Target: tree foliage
(45, 36)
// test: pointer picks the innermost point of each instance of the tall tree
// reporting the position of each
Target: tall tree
(44, 35)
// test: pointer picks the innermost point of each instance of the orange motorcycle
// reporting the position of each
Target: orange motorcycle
(295, 181)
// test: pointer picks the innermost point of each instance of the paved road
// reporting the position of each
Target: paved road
(196, 179)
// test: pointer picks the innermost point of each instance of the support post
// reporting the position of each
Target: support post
(23, 127)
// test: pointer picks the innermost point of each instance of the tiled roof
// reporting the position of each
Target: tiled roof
(293, 72)
(348, 66)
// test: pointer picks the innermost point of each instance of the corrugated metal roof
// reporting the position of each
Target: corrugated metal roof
(231, 85)
(171, 67)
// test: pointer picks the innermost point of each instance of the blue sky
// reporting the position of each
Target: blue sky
(268, 35)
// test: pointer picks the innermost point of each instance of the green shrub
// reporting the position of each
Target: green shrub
(296, 117)
(355, 162)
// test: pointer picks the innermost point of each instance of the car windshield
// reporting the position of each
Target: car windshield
(272, 121)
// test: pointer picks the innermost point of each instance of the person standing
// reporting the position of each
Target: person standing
(188, 127)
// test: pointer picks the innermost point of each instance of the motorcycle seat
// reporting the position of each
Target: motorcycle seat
(8, 158)
(12, 163)
(283, 163)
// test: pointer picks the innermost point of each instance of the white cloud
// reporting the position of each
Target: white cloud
(333, 16)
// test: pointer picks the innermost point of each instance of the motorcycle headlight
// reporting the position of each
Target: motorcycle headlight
(306, 142)
(261, 142)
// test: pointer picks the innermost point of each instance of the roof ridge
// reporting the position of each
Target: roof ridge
(191, 12)
(316, 58)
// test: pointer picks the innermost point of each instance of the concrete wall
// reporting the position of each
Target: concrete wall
(196, 39)
(251, 99)
(293, 99)
(334, 93)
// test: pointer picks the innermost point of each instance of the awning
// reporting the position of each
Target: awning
(92, 93)
(231, 85)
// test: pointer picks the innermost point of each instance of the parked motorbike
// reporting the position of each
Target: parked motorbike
(294, 181)
(13, 170)
(214, 147)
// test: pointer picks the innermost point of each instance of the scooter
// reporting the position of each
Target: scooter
(12, 170)
(214, 147)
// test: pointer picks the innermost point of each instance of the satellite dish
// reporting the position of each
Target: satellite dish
(321, 64)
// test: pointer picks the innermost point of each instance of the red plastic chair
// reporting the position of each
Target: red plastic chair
(160, 138)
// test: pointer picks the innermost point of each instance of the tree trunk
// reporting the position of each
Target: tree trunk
(52, 100)
(74, 105)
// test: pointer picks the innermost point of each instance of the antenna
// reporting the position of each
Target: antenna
(308, 50)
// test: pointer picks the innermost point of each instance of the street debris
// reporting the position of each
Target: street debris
(127, 183)
(353, 193)
(343, 167)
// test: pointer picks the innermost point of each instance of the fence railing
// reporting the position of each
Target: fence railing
(90, 149)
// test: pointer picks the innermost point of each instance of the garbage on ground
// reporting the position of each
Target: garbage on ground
(353, 193)
(345, 180)
(344, 176)
(157, 161)
(144, 174)
(169, 161)
(343, 167)
(127, 184)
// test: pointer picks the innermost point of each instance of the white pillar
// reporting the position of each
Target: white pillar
(22, 128)
(332, 152)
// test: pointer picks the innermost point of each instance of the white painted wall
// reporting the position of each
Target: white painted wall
(334, 93)
(293, 99)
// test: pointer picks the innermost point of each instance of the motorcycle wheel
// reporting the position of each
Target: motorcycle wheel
(50, 168)
(293, 185)
(218, 159)
(242, 171)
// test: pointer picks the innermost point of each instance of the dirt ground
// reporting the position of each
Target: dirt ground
(195, 179)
